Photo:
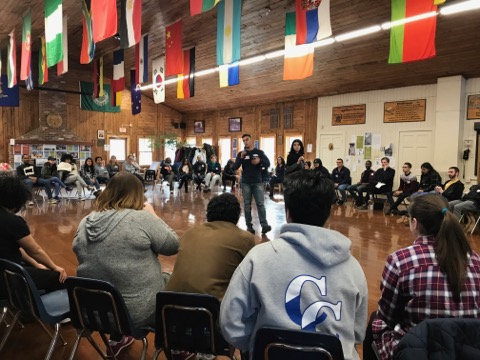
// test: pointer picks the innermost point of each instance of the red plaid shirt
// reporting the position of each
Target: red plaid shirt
(414, 289)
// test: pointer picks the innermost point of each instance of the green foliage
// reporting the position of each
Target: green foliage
(171, 140)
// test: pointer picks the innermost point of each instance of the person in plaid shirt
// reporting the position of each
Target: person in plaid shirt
(437, 277)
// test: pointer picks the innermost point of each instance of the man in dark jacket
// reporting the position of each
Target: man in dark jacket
(199, 170)
(408, 185)
(382, 181)
(26, 173)
(453, 188)
(357, 189)
(469, 202)
(342, 180)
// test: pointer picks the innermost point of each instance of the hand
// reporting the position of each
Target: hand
(396, 193)
(438, 189)
(33, 178)
(243, 153)
(301, 158)
(255, 161)
(63, 274)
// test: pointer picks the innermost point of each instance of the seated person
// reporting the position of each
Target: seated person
(113, 166)
(49, 172)
(318, 166)
(341, 180)
(132, 167)
(185, 173)
(214, 169)
(26, 173)
(120, 242)
(220, 241)
(167, 173)
(88, 173)
(468, 202)
(279, 175)
(428, 181)
(453, 188)
(359, 188)
(438, 276)
(199, 170)
(67, 170)
(408, 185)
(101, 172)
(229, 173)
(308, 267)
(307, 165)
(382, 181)
(17, 243)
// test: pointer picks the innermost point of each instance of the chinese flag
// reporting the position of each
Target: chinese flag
(173, 49)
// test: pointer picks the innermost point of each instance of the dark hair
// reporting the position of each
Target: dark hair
(89, 168)
(281, 162)
(451, 244)
(98, 157)
(408, 164)
(14, 192)
(427, 166)
(302, 149)
(368, 161)
(308, 197)
(340, 159)
(385, 158)
(123, 191)
(224, 207)
(308, 163)
(66, 157)
(245, 135)
(457, 170)
(187, 160)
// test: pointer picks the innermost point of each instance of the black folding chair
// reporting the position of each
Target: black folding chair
(188, 322)
(282, 344)
(98, 306)
(151, 178)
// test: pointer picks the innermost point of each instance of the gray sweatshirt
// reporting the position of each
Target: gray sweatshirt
(304, 280)
(121, 246)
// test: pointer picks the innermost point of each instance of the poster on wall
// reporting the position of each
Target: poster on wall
(473, 107)
(349, 115)
(404, 111)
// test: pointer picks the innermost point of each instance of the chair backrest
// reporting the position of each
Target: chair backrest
(189, 322)
(280, 344)
(150, 175)
(97, 305)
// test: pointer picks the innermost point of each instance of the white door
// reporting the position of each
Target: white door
(416, 148)
(331, 147)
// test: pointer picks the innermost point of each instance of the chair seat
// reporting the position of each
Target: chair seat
(56, 305)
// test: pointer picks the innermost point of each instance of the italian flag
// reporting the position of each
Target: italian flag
(298, 61)
(416, 40)
(53, 31)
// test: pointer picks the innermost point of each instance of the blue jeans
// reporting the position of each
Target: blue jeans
(342, 189)
(357, 191)
(257, 191)
(40, 182)
(57, 183)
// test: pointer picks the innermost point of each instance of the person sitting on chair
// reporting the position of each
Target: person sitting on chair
(408, 185)
(89, 175)
(229, 174)
(453, 188)
(279, 175)
(167, 173)
(214, 170)
(428, 181)
(318, 167)
(26, 173)
(469, 202)
(341, 180)
(67, 170)
(185, 173)
(132, 167)
(49, 172)
(113, 166)
(199, 169)
(382, 181)
(357, 189)
(101, 172)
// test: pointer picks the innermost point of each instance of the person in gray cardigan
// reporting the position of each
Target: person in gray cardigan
(120, 242)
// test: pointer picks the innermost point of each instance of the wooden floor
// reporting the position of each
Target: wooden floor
(373, 236)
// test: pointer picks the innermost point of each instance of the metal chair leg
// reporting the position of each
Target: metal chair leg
(144, 349)
(53, 342)
(156, 354)
(9, 330)
(75, 345)
(475, 226)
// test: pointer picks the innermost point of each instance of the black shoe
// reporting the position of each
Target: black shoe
(270, 196)
(180, 185)
(68, 188)
(266, 229)
(97, 193)
(251, 230)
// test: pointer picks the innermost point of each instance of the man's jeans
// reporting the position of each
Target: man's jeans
(257, 191)
(40, 182)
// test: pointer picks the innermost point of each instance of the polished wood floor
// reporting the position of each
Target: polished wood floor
(373, 236)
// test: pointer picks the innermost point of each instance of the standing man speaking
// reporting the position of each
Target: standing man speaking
(251, 160)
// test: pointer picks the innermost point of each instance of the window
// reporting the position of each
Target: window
(289, 140)
(170, 152)
(224, 150)
(267, 144)
(207, 141)
(118, 148)
(145, 153)
(191, 141)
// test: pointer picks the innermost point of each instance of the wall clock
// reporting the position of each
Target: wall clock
(54, 121)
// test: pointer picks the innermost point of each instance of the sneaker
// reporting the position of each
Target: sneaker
(90, 187)
(56, 198)
(81, 198)
(65, 321)
(117, 347)
(251, 230)
(68, 188)
(266, 229)
(270, 196)
(52, 201)
(30, 203)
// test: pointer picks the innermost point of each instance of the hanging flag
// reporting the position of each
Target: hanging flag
(87, 102)
(8, 96)
(312, 25)
(96, 78)
(158, 75)
(0, 63)
(12, 61)
(173, 49)
(118, 81)
(438, 2)
(141, 60)
(115, 97)
(29, 81)
(229, 18)
(298, 62)
(100, 78)
(42, 62)
(229, 75)
(88, 46)
(53, 31)
(130, 23)
(186, 81)
(62, 66)
(416, 40)
(26, 45)
(136, 94)
(201, 6)
(104, 19)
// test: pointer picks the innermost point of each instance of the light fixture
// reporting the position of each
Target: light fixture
(274, 54)
(251, 60)
(410, 19)
(205, 72)
(323, 42)
(460, 7)
(358, 33)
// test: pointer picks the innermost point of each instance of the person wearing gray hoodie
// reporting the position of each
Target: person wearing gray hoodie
(306, 279)
(119, 242)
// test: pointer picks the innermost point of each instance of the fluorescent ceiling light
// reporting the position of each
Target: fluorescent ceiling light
(275, 54)
(146, 87)
(460, 7)
(410, 19)
(323, 42)
(205, 72)
(358, 33)
(251, 60)
(171, 81)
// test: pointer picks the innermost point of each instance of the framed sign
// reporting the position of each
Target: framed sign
(101, 134)
(404, 111)
(349, 115)
(473, 107)
(199, 126)
(235, 124)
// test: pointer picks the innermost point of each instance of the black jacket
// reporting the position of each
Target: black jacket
(454, 191)
(384, 176)
(473, 195)
(429, 181)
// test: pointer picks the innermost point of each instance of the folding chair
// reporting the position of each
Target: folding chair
(25, 299)
(474, 215)
(283, 344)
(151, 178)
(188, 322)
(98, 306)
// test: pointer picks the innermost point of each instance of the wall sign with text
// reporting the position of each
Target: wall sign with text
(473, 107)
(404, 111)
(349, 115)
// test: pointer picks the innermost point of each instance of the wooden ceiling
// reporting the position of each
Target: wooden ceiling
(354, 65)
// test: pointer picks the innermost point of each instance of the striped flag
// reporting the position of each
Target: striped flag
(115, 97)
(298, 62)
(29, 81)
(158, 75)
(201, 6)
(438, 2)
(130, 23)
(141, 60)
(98, 78)
(12, 61)
(42, 62)
(229, 75)
(26, 46)
(118, 80)
(104, 19)
(229, 18)
(136, 94)
(186, 81)
(173, 49)
(53, 31)
(88, 46)
(312, 25)
(62, 66)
